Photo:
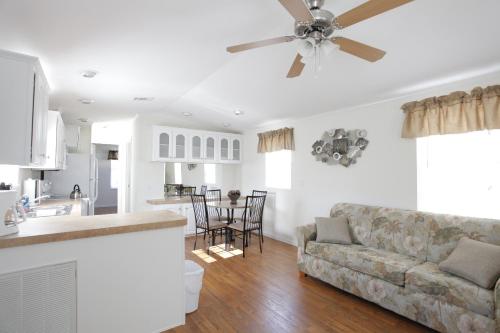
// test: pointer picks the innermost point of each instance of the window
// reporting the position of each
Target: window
(9, 174)
(458, 174)
(209, 170)
(279, 169)
(178, 173)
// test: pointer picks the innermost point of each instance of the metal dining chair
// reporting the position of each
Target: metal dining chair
(252, 220)
(260, 193)
(204, 221)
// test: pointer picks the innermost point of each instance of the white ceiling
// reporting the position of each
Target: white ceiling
(175, 51)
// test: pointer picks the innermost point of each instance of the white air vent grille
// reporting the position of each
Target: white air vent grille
(39, 300)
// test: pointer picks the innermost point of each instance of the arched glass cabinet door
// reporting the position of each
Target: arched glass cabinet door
(236, 150)
(164, 146)
(210, 148)
(224, 149)
(180, 146)
(196, 147)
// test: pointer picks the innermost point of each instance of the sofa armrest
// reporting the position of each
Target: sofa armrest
(305, 233)
(497, 305)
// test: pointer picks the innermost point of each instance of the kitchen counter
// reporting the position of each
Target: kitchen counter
(76, 210)
(62, 228)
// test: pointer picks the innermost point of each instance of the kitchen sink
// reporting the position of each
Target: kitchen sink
(46, 211)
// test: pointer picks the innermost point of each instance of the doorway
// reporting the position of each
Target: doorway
(108, 167)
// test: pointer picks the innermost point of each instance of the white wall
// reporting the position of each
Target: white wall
(385, 175)
(146, 179)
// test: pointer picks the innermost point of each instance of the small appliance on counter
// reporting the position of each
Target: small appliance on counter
(8, 204)
(76, 193)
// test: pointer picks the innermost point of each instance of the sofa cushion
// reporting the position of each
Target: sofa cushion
(474, 261)
(382, 264)
(428, 279)
(333, 230)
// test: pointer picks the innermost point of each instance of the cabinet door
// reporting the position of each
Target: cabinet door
(162, 144)
(210, 150)
(191, 223)
(196, 151)
(180, 146)
(39, 122)
(225, 149)
(236, 149)
(61, 144)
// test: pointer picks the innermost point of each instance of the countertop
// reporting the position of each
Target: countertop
(76, 210)
(62, 228)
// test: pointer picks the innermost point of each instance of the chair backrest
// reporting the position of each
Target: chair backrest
(254, 211)
(214, 195)
(200, 210)
(188, 190)
(259, 193)
(203, 189)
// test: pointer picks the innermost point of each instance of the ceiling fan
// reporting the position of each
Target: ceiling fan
(314, 27)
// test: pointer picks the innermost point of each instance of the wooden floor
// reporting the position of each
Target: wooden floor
(264, 293)
(105, 210)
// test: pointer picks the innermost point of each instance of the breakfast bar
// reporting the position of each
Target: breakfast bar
(132, 263)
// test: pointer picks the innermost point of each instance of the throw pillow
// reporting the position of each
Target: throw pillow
(474, 261)
(333, 230)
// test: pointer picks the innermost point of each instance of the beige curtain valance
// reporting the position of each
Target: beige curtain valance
(457, 112)
(276, 140)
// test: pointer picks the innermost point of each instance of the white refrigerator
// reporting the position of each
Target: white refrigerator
(81, 170)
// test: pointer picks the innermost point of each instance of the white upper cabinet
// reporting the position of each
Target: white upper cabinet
(56, 147)
(24, 103)
(180, 146)
(210, 148)
(162, 144)
(194, 146)
(236, 149)
(196, 151)
(225, 148)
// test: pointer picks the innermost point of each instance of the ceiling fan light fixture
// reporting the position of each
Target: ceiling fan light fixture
(327, 47)
(306, 47)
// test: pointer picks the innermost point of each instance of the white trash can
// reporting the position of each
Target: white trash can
(193, 280)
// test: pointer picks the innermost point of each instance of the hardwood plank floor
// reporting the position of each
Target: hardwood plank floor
(265, 293)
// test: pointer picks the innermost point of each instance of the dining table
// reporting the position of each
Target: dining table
(229, 207)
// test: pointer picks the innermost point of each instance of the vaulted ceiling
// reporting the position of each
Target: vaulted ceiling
(174, 51)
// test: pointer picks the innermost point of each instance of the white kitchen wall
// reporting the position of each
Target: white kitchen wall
(385, 175)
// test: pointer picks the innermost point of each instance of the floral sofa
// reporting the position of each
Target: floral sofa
(394, 263)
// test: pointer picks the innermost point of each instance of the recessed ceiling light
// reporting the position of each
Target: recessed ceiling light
(143, 99)
(238, 112)
(83, 120)
(226, 124)
(88, 74)
(86, 101)
(187, 114)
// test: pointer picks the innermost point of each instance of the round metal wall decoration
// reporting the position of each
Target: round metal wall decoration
(338, 146)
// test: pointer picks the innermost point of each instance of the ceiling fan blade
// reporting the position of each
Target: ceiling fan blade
(296, 68)
(358, 49)
(262, 43)
(367, 10)
(298, 9)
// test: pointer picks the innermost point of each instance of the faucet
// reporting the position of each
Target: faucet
(40, 198)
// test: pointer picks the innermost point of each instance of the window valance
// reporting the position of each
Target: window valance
(280, 139)
(457, 112)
